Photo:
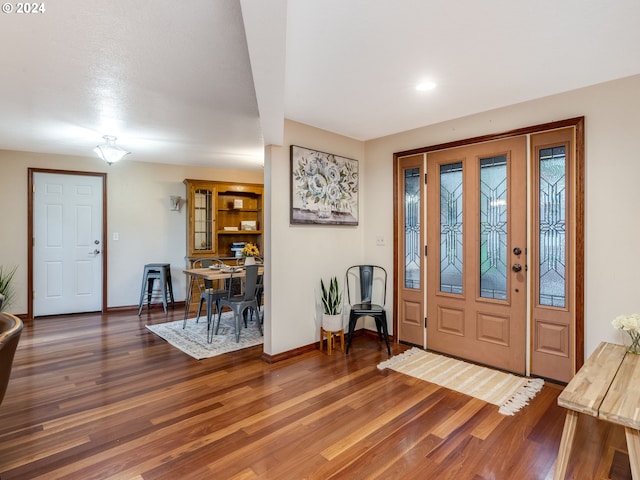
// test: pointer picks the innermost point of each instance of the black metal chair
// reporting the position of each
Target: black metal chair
(10, 330)
(209, 295)
(243, 301)
(366, 295)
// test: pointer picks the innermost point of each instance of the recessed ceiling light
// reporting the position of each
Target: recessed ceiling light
(425, 86)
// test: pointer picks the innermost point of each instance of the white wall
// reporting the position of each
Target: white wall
(300, 255)
(612, 210)
(137, 208)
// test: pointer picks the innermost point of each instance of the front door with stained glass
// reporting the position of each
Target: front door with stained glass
(476, 234)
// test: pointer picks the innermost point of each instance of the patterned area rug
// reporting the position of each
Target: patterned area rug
(192, 340)
(507, 391)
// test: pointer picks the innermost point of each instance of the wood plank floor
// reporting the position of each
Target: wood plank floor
(100, 397)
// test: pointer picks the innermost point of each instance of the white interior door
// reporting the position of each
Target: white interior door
(67, 243)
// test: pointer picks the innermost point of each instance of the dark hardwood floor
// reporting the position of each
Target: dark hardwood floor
(100, 397)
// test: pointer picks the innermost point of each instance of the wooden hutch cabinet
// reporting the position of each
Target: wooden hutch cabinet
(221, 216)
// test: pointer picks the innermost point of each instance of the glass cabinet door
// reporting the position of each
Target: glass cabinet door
(203, 220)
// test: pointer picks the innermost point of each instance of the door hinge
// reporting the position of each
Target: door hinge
(425, 178)
(425, 250)
(34, 188)
(425, 322)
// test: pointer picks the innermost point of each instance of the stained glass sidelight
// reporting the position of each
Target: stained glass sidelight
(493, 227)
(451, 228)
(412, 245)
(552, 211)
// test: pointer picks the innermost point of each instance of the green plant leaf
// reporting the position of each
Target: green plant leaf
(6, 286)
(331, 297)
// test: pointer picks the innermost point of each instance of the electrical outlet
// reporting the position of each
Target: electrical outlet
(380, 240)
(116, 236)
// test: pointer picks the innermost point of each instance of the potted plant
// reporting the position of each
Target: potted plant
(6, 287)
(250, 252)
(331, 305)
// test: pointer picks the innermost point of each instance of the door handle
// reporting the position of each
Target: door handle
(516, 267)
(95, 252)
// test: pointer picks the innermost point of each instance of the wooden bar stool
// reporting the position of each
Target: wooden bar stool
(153, 272)
(330, 338)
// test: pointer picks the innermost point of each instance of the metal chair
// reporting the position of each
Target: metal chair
(242, 302)
(151, 273)
(10, 330)
(208, 294)
(366, 295)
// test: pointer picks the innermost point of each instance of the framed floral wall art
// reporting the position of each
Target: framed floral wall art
(324, 188)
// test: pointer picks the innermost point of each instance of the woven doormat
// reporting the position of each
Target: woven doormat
(509, 392)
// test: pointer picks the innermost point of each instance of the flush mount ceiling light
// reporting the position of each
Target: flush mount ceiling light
(425, 86)
(110, 152)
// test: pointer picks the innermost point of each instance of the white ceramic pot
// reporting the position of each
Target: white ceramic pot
(249, 261)
(332, 323)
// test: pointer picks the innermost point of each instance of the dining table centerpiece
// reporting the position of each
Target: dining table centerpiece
(631, 325)
(249, 253)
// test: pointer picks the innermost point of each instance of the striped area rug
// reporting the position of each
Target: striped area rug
(509, 392)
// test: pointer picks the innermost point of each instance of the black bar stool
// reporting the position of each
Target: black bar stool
(153, 272)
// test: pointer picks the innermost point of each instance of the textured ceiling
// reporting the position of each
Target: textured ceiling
(209, 82)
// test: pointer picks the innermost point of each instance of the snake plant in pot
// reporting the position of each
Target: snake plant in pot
(331, 305)
(6, 286)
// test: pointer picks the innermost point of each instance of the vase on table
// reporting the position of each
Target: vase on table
(633, 342)
(250, 261)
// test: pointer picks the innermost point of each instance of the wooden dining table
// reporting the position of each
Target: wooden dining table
(211, 274)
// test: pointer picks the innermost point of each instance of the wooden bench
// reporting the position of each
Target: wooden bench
(604, 388)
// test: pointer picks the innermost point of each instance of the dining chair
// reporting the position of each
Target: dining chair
(260, 292)
(10, 330)
(366, 295)
(239, 303)
(209, 295)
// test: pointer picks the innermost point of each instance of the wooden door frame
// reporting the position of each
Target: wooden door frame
(30, 190)
(578, 124)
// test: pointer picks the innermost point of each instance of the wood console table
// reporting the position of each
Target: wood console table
(606, 387)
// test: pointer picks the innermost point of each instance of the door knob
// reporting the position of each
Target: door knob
(517, 251)
(516, 267)
(95, 252)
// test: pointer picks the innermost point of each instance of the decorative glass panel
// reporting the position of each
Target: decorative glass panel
(203, 220)
(493, 227)
(451, 228)
(412, 245)
(553, 187)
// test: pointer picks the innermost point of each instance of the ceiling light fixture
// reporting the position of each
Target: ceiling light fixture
(426, 86)
(110, 152)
